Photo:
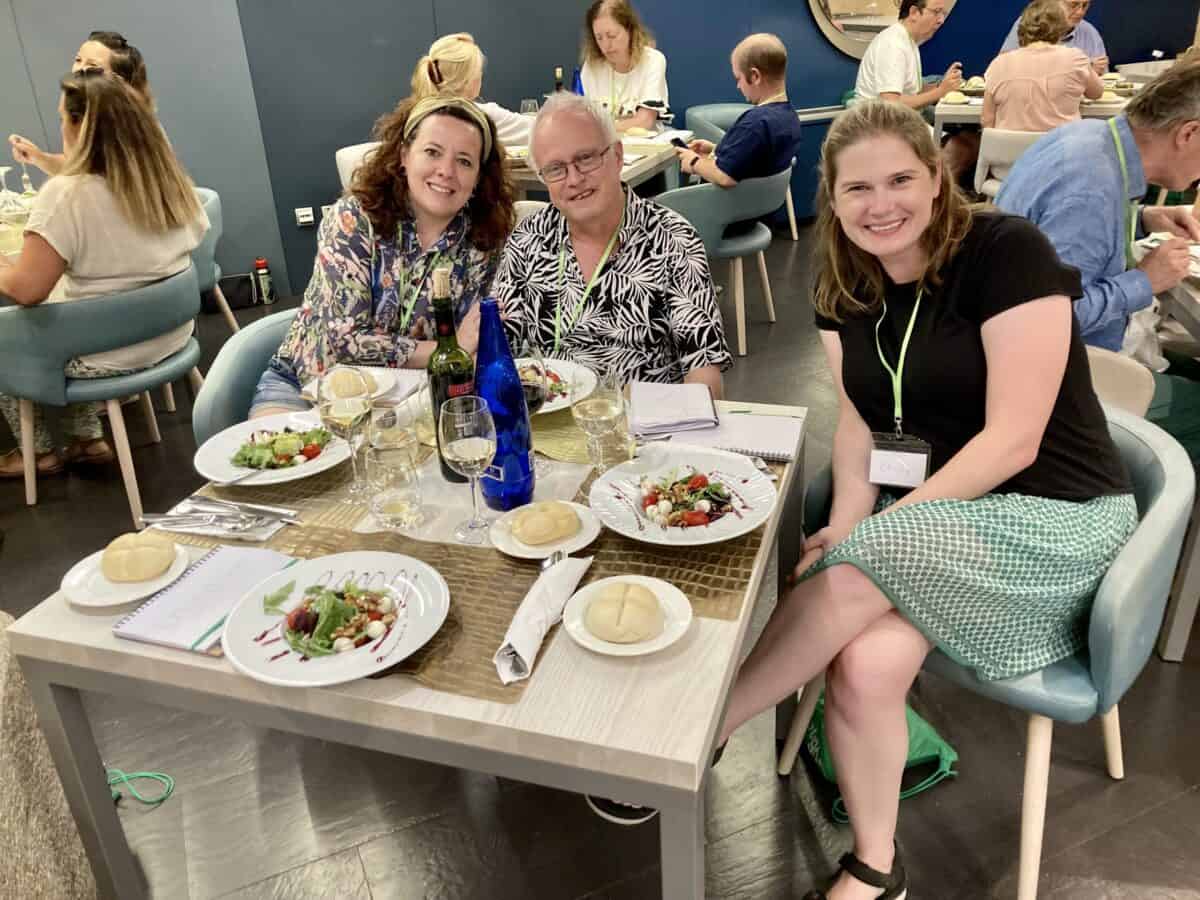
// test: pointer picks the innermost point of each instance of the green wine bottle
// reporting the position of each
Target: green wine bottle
(451, 369)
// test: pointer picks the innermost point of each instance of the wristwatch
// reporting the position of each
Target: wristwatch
(695, 160)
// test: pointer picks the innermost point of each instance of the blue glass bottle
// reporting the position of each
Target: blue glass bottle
(577, 83)
(509, 480)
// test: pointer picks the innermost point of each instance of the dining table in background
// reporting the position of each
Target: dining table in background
(639, 730)
(654, 158)
(971, 113)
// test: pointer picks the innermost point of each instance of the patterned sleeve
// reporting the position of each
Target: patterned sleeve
(696, 325)
(478, 282)
(508, 287)
(340, 294)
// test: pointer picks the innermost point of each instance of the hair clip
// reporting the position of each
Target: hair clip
(435, 72)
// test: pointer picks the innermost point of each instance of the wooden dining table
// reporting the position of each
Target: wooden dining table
(640, 730)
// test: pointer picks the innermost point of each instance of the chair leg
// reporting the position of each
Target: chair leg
(151, 419)
(116, 421)
(1113, 755)
(1033, 804)
(168, 397)
(762, 273)
(28, 454)
(196, 380)
(800, 719)
(223, 304)
(791, 213)
(739, 302)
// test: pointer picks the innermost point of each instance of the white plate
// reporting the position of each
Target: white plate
(502, 537)
(567, 371)
(615, 496)
(385, 380)
(214, 458)
(677, 613)
(85, 584)
(253, 640)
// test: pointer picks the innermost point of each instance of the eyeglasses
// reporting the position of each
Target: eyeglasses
(588, 161)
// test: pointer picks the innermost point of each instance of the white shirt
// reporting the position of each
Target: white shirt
(625, 93)
(891, 65)
(512, 128)
(79, 217)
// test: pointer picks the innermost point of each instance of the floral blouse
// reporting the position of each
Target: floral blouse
(368, 302)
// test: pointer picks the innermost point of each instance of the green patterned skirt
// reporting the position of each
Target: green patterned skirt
(1002, 584)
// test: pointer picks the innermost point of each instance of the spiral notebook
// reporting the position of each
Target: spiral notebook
(188, 614)
(774, 438)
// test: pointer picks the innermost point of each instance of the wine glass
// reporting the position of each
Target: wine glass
(344, 403)
(600, 414)
(392, 449)
(14, 214)
(468, 439)
(529, 107)
(535, 382)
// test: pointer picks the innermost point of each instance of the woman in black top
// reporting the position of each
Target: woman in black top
(993, 547)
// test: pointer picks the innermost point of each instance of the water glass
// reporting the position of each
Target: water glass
(529, 107)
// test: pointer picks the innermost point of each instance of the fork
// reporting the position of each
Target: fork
(553, 559)
(237, 478)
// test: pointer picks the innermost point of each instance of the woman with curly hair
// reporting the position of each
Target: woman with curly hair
(434, 193)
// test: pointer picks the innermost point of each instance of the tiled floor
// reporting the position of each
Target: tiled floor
(262, 814)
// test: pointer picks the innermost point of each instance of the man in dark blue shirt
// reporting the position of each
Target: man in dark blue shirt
(763, 140)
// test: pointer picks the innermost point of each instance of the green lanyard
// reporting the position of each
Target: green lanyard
(562, 262)
(898, 372)
(1130, 215)
(416, 289)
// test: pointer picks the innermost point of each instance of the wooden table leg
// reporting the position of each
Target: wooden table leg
(73, 748)
(681, 832)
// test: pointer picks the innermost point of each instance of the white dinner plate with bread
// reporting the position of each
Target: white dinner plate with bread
(627, 615)
(132, 567)
(537, 530)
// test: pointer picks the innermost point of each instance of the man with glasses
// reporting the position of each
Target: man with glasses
(602, 276)
(1082, 36)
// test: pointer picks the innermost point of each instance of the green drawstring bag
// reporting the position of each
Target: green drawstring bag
(925, 747)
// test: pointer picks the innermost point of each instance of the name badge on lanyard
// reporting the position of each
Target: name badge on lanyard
(897, 459)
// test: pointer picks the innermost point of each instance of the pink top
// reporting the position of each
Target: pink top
(1038, 88)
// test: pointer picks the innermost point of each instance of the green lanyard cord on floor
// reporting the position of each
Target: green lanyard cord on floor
(1130, 205)
(898, 372)
(116, 776)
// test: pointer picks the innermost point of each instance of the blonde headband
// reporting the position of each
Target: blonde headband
(430, 105)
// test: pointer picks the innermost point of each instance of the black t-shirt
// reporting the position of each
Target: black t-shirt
(1003, 262)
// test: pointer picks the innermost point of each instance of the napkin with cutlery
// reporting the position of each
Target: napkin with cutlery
(223, 519)
(541, 608)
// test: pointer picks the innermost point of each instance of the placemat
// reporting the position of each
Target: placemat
(557, 436)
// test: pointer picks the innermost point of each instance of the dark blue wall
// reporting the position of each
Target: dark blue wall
(322, 74)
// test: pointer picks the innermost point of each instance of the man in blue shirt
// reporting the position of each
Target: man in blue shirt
(1083, 35)
(763, 140)
(1080, 184)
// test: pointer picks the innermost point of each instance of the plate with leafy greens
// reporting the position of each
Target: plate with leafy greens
(282, 447)
(335, 618)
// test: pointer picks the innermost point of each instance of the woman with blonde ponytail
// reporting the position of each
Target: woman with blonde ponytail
(122, 213)
(454, 66)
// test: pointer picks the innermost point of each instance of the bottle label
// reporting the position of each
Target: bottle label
(458, 390)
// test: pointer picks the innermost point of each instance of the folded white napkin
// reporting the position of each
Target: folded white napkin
(660, 409)
(541, 608)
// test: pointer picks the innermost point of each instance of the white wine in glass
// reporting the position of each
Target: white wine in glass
(600, 414)
(468, 440)
(344, 402)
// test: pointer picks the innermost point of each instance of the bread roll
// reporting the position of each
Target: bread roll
(139, 556)
(975, 83)
(956, 97)
(345, 384)
(624, 613)
(1108, 97)
(545, 522)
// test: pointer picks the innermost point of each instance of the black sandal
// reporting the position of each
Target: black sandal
(894, 884)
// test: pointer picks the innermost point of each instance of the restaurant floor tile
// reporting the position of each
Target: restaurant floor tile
(261, 814)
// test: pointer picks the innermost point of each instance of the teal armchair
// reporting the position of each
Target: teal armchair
(1126, 615)
(37, 342)
(208, 273)
(710, 209)
(225, 398)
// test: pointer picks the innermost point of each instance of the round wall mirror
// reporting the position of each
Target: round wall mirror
(851, 25)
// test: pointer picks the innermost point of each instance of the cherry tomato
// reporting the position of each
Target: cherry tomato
(311, 451)
(694, 517)
(374, 614)
(649, 500)
(697, 483)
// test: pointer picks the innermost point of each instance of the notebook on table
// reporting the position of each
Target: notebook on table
(189, 613)
(774, 438)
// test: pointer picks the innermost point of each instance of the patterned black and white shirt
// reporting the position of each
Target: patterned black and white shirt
(652, 315)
